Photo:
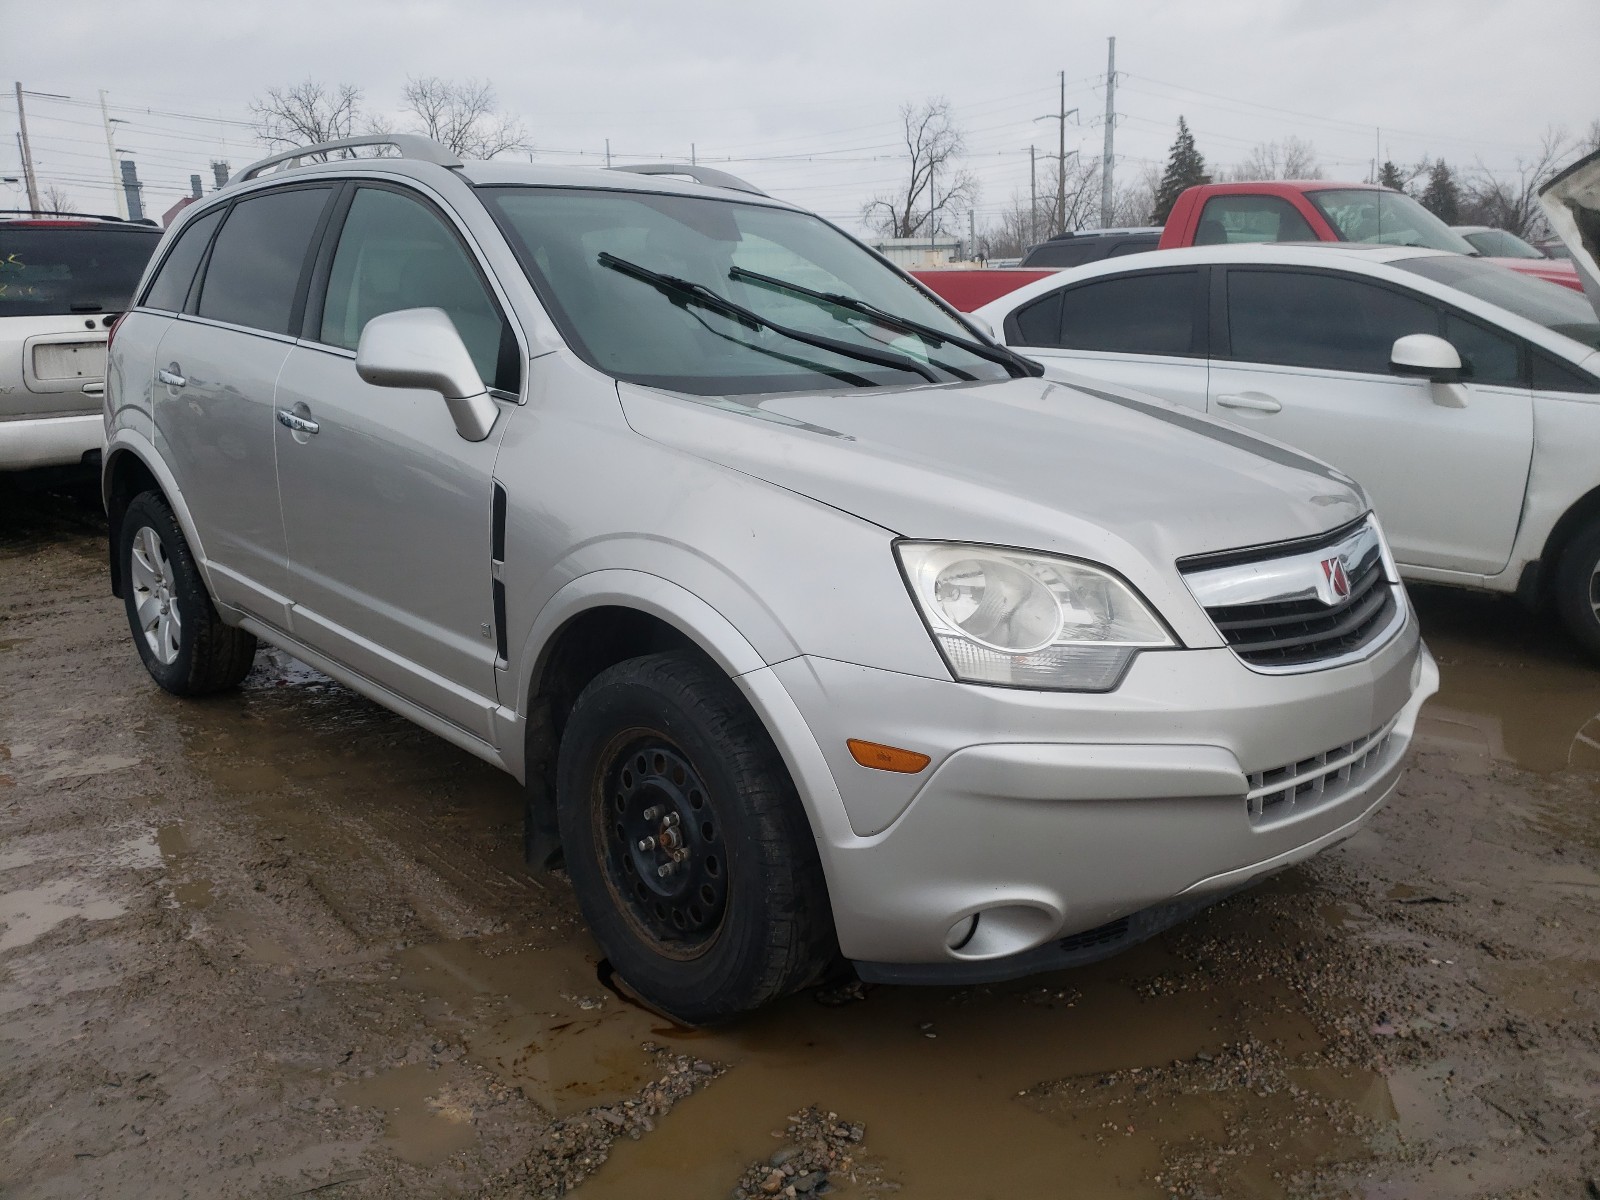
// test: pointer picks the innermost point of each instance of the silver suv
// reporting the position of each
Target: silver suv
(815, 622)
(63, 280)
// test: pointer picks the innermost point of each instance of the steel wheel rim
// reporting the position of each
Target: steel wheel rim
(155, 607)
(1594, 590)
(661, 846)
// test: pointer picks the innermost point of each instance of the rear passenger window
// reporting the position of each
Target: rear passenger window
(1132, 314)
(1038, 324)
(1301, 319)
(1489, 357)
(1231, 219)
(395, 254)
(171, 285)
(254, 272)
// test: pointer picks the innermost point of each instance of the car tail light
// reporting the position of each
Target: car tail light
(111, 329)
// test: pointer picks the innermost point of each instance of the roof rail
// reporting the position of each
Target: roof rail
(410, 145)
(74, 216)
(705, 175)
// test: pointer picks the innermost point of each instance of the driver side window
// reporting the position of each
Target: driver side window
(395, 254)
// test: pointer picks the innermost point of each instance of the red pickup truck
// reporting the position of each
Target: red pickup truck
(1315, 210)
(1291, 210)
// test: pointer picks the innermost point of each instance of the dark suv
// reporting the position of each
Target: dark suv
(1090, 245)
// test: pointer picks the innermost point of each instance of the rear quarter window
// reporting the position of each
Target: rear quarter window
(170, 288)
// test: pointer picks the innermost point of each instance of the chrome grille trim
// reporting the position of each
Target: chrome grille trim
(1303, 786)
(1307, 606)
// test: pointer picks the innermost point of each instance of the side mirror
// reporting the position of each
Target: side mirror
(1425, 357)
(420, 348)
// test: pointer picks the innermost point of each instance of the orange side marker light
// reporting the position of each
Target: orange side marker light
(887, 758)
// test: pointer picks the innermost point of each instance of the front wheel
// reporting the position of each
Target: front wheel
(692, 859)
(1578, 587)
(184, 644)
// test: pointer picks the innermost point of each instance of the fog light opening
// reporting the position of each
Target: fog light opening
(961, 932)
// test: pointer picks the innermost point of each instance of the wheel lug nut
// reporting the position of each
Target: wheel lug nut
(646, 844)
(671, 820)
(665, 869)
(650, 814)
(679, 855)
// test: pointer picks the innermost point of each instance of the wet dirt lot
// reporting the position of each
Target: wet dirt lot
(281, 943)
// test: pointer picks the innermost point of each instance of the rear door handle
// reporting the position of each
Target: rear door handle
(1254, 401)
(296, 422)
(170, 376)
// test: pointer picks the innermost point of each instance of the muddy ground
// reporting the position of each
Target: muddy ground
(281, 943)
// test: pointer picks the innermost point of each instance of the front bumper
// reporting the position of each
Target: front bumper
(49, 441)
(1048, 814)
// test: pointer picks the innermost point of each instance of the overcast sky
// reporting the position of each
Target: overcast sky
(803, 96)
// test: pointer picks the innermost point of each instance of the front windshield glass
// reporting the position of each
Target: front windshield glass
(604, 262)
(1498, 243)
(1391, 218)
(1555, 307)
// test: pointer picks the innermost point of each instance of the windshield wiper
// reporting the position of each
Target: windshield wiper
(1009, 359)
(686, 291)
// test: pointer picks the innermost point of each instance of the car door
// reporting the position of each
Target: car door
(1303, 356)
(1143, 329)
(387, 510)
(216, 371)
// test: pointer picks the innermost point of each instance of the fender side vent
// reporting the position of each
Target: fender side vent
(500, 619)
(499, 528)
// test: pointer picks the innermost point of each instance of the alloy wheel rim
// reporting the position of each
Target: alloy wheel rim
(155, 605)
(661, 842)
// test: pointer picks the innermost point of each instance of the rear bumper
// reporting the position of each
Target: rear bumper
(1049, 815)
(49, 441)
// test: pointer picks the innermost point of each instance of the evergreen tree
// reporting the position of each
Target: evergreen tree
(1442, 196)
(1389, 176)
(1185, 169)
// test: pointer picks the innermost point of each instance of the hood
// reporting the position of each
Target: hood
(1084, 469)
(1572, 203)
(1551, 270)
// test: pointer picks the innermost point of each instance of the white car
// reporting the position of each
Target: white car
(1464, 397)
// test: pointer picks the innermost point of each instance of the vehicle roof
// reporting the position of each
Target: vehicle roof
(1286, 187)
(32, 219)
(1076, 234)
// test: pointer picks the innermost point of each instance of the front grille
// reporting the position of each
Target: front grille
(1300, 605)
(1292, 632)
(1300, 787)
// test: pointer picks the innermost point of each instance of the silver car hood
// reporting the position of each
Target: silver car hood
(1089, 470)
(1572, 202)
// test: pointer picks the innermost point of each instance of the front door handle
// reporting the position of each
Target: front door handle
(1254, 401)
(169, 376)
(296, 422)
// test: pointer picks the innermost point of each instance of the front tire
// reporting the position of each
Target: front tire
(692, 859)
(183, 642)
(1578, 587)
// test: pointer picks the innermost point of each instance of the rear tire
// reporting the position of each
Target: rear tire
(691, 856)
(1577, 587)
(183, 642)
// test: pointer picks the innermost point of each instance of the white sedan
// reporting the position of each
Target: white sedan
(1464, 397)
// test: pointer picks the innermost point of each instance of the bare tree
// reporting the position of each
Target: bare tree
(307, 113)
(935, 186)
(1292, 158)
(462, 116)
(57, 201)
(1510, 200)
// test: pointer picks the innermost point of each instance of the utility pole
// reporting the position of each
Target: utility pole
(972, 236)
(1060, 117)
(692, 160)
(1108, 158)
(1033, 198)
(608, 154)
(28, 176)
(111, 157)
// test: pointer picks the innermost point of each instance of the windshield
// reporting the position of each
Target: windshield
(1497, 243)
(1371, 215)
(634, 279)
(55, 272)
(1551, 305)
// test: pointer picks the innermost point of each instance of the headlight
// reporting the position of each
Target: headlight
(1028, 620)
